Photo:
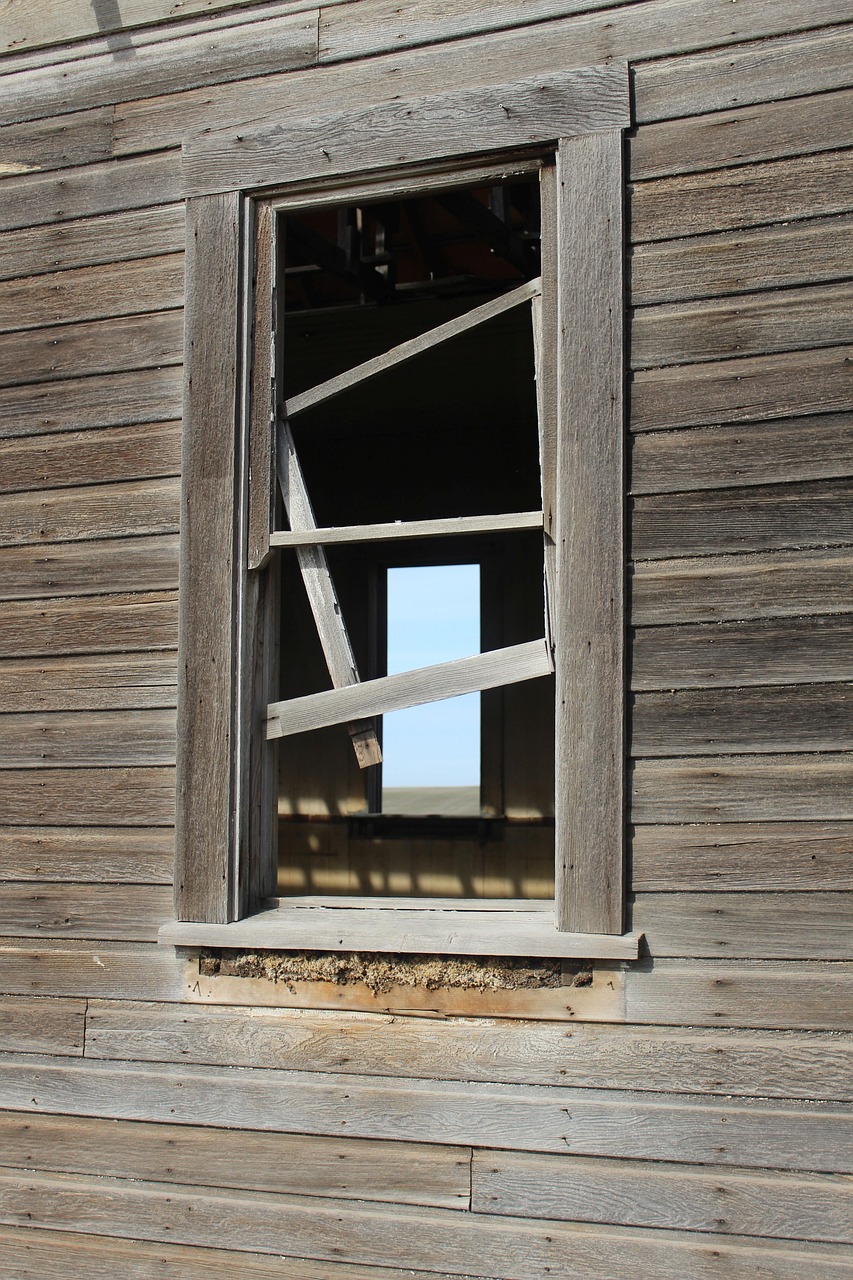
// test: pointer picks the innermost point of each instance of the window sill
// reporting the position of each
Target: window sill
(436, 926)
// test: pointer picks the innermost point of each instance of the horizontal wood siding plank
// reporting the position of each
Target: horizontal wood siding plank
(743, 789)
(762, 926)
(719, 588)
(88, 683)
(743, 856)
(813, 448)
(102, 346)
(84, 403)
(742, 261)
(786, 1206)
(90, 568)
(115, 855)
(88, 797)
(87, 739)
(128, 509)
(112, 971)
(42, 1025)
(772, 651)
(136, 452)
(99, 624)
(601, 1056)
(757, 387)
(111, 187)
(114, 913)
(59, 142)
(683, 1128)
(115, 237)
(349, 1168)
(812, 717)
(90, 293)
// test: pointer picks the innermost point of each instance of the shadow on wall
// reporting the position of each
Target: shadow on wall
(108, 18)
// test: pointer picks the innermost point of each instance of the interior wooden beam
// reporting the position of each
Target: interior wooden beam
(402, 529)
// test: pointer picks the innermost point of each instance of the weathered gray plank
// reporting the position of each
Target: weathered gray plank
(743, 789)
(750, 324)
(117, 913)
(761, 926)
(100, 346)
(136, 452)
(88, 683)
(743, 856)
(58, 142)
(742, 196)
(116, 855)
(759, 518)
(111, 624)
(519, 112)
(94, 511)
(786, 1206)
(88, 797)
(740, 261)
(589, 615)
(263, 482)
(766, 131)
(349, 1168)
(113, 971)
(42, 1025)
(401, 529)
(772, 651)
(717, 588)
(809, 448)
(755, 387)
(84, 403)
(115, 185)
(90, 568)
(90, 293)
(116, 237)
(601, 1056)
(87, 739)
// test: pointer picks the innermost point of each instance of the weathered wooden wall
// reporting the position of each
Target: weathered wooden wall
(709, 1135)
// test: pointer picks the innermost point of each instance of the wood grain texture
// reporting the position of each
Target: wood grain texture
(88, 797)
(113, 971)
(263, 491)
(97, 683)
(83, 403)
(90, 568)
(101, 346)
(117, 913)
(459, 122)
(403, 529)
(685, 1128)
(759, 518)
(90, 293)
(786, 1206)
(57, 142)
(348, 1168)
(115, 855)
(818, 447)
(99, 624)
(710, 655)
(87, 739)
(93, 511)
(110, 187)
(743, 856)
(137, 452)
(743, 789)
(115, 237)
(589, 814)
(719, 588)
(42, 1025)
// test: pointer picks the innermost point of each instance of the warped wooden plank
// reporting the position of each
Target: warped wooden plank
(114, 971)
(779, 1206)
(91, 293)
(89, 797)
(750, 324)
(408, 529)
(414, 346)
(90, 568)
(743, 789)
(83, 403)
(590, 558)
(42, 1025)
(116, 237)
(819, 447)
(262, 481)
(57, 143)
(99, 624)
(740, 261)
(742, 856)
(87, 739)
(117, 913)
(136, 452)
(93, 511)
(99, 346)
(687, 1128)
(759, 518)
(545, 358)
(604, 1056)
(812, 717)
(110, 187)
(493, 117)
(115, 855)
(410, 688)
(742, 196)
(349, 1168)
(755, 387)
(766, 131)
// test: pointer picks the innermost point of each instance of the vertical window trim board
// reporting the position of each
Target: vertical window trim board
(224, 667)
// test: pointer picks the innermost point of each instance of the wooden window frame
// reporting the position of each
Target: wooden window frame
(225, 864)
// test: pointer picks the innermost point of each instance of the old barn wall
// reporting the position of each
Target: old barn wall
(707, 1135)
